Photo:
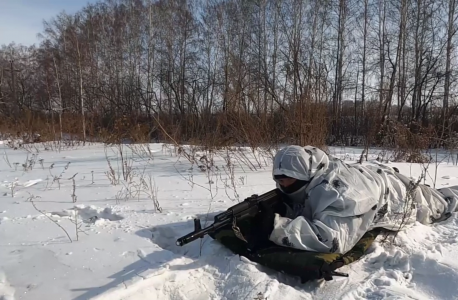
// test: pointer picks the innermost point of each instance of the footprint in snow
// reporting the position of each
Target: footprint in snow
(28, 183)
(90, 214)
(129, 254)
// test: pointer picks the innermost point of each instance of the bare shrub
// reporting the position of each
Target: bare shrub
(408, 210)
(410, 142)
(112, 175)
(73, 194)
(57, 178)
(6, 159)
(137, 185)
(29, 162)
(78, 224)
(126, 165)
(132, 187)
(13, 187)
(230, 181)
(151, 189)
(31, 200)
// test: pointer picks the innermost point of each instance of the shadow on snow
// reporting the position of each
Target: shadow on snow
(201, 252)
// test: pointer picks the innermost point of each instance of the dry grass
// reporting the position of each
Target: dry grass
(302, 123)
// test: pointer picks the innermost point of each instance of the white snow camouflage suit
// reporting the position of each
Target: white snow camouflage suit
(342, 202)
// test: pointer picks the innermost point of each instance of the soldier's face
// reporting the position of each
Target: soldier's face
(286, 182)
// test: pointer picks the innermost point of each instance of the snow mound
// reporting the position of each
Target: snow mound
(397, 275)
(231, 280)
(6, 291)
(89, 214)
(219, 275)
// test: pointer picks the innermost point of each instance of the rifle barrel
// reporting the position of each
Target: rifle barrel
(201, 233)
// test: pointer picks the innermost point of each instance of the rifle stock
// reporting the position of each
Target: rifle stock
(250, 207)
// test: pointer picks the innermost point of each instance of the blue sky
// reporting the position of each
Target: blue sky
(22, 20)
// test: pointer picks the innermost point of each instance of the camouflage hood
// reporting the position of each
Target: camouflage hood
(302, 163)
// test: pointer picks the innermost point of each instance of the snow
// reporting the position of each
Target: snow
(118, 244)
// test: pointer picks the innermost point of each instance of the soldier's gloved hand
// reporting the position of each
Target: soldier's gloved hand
(267, 218)
(263, 226)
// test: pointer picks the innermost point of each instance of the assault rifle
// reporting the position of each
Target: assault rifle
(250, 207)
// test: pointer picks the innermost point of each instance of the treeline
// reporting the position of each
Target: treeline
(238, 71)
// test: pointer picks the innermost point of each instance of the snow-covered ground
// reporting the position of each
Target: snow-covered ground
(113, 243)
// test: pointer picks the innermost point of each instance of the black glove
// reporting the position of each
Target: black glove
(266, 220)
(263, 226)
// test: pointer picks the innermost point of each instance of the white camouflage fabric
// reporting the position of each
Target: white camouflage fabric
(342, 202)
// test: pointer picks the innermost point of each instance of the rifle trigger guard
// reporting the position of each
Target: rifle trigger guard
(237, 231)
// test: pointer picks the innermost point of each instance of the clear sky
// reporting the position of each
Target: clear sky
(22, 20)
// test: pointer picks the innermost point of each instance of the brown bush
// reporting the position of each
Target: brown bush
(410, 141)
(305, 123)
